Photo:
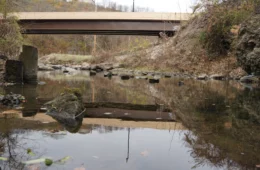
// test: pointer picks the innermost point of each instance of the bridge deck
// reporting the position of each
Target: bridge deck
(104, 23)
(147, 16)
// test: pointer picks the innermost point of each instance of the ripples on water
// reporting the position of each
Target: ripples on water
(217, 125)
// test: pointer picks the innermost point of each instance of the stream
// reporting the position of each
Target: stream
(134, 125)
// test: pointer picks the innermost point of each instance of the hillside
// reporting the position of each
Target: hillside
(205, 45)
(183, 53)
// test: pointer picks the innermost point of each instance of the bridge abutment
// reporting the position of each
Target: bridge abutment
(29, 58)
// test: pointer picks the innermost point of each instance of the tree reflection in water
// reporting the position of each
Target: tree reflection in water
(225, 133)
(12, 147)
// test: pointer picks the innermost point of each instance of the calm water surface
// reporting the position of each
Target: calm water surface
(218, 125)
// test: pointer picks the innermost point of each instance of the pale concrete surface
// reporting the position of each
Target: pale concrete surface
(139, 16)
(43, 118)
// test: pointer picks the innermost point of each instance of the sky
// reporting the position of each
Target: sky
(159, 5)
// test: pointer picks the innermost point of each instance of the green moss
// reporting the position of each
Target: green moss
(76, 91)
(48, 162)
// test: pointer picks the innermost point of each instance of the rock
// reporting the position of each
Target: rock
(92, 73)
(68, 109)
(57, 67)
(97, 68)
(167, 75)
(76, 67)
(125, 77)
(202, 77)
(250, 79)
(108, 74)
(12, 100)
(157, 76)
(108, 68)
(248, 48)
(180, 83)
(144, 73)
(154, 80)
(85, 68)
(29, 58)
(141, 77)
(217, 77)
(42, 67)
(68, 70)
(13, 71)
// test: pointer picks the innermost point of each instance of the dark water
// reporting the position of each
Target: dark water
(218, 126)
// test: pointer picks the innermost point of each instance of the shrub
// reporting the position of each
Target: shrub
(221, 17)
(10, 38)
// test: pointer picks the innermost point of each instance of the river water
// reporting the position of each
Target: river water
(204, 125)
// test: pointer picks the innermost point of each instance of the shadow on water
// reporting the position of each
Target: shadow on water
(222, 118)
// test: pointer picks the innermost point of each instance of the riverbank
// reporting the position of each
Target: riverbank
(111, 70)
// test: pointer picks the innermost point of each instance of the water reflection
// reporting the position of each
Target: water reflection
(223, 119)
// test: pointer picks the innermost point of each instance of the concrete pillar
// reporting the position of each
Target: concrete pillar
(13, 71)
(29, 58)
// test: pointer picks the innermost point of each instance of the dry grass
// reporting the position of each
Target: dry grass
(66, 59)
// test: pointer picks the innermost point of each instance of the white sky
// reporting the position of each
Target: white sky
(159, 5)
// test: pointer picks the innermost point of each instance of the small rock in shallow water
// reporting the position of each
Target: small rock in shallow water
(202, 77)
(217, 77)
(154, 80)
(250, 79)
(167, 76)
(108, 74)
(107, 113)
(92, 73)
(181, 83)
(125, 77)
(57, 67)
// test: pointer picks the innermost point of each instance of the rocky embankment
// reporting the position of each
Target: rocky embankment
(110, 70)
(248, 49)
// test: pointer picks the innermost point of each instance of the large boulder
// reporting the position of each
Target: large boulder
(248, 48)
(68, 109)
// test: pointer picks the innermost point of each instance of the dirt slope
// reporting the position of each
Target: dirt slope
(183, 53)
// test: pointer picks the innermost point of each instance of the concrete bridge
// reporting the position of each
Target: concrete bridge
(101, 23)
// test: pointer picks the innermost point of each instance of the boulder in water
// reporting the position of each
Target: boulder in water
(250, 79)
(68, 109)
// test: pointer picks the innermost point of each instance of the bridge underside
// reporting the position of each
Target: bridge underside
(145, 28)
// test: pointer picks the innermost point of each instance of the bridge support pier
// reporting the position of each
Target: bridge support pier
(29, 58)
